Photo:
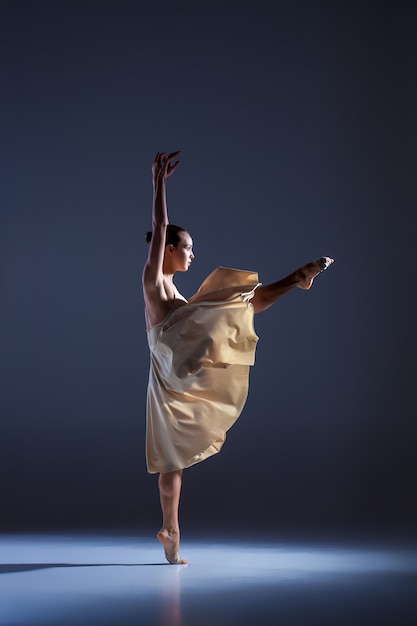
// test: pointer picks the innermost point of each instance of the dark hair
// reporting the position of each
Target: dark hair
(172, 235)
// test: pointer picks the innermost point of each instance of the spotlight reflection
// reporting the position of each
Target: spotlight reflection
(63, 581)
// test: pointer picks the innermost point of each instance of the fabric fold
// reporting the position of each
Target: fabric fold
(198, 380)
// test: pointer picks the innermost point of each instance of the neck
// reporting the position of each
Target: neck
(167, 272)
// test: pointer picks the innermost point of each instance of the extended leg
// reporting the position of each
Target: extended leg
(303, 278)
(169, 535)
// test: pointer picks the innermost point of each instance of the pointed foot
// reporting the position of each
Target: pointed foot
(169, 538)
(175, 559)
(311, 270)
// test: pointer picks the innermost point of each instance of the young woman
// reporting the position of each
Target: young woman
(201, 351)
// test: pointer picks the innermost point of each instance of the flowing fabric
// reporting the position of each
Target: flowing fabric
(198, 381)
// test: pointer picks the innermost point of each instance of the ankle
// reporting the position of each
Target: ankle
(169, 530)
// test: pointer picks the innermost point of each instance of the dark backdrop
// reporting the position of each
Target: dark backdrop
(297, 125)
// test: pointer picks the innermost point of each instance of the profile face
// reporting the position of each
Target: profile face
(182, 254)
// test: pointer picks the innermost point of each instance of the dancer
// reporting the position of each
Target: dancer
(201, 351)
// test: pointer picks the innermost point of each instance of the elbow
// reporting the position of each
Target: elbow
(160, 223)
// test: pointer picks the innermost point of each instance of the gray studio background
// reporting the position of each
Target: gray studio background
(296, 122)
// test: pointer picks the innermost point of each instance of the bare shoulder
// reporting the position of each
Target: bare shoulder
(158, 296)
(151, 278)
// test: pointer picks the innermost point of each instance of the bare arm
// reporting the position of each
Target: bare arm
(162, 168)
(152, 277)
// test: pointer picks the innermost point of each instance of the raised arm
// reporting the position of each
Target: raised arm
(155, 294)
(162, 168)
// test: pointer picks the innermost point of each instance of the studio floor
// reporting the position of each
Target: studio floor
(87, 579)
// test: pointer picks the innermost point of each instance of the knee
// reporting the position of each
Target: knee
(169, 482)
(165, 484)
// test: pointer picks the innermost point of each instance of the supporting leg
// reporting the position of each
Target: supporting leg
(303, 278)
(169, 535)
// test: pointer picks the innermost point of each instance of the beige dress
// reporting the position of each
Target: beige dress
(198, 381)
